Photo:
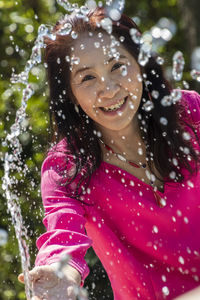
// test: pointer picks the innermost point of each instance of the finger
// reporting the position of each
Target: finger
(21, 278)
(35, 273)
(70, 293)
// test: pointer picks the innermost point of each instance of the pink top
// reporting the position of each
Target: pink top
(148, 252)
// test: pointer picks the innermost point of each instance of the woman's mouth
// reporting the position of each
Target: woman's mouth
(114, 107)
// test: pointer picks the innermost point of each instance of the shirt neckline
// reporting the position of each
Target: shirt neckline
(136, 178)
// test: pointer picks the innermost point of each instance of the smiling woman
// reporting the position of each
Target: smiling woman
(123, 174)
(105, 95)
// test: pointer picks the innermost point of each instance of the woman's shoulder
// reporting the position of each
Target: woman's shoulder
(58, 157)
(189, 106)
(61, 146)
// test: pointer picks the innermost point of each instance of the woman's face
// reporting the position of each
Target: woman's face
(108, 90)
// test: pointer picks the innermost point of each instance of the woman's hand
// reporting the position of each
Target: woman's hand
(48, 286)
(191, 295)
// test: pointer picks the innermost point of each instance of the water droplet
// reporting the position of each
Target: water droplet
(121, 38)
(186, 84)
(114, 14)
(186, 150)
(124, 71)
(195, 74)
(66, 5)
(155, 229)
(172, 175)
(100, 35)
(160, 60)
(74, 35)
(106, 24)
(163, 121)
(139, 78)
(148, 106)
(145, 53)
(178, 65)
(176, 95)
(84, 9)
(166, 100)
(120, 113)
(75, 60)
(82, 46)
(186, 136)
(91, 4)
(165, 290)
(181, 260)
(140, 151)
(163, 202)
(3, 237)
(148, 174)
(43, 30)
(97, 44)
(155, 94)
(136, 36)
(65, 30)
(190, 184)
(175, 161)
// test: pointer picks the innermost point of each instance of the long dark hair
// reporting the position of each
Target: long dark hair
(163, 142)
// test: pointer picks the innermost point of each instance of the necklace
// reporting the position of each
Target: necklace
(159, 200)
(122, 158)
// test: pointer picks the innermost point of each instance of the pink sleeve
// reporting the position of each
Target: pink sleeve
(64, 218)
(192, 103)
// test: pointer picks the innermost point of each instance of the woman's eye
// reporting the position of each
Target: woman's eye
(116, 66)
(87, 77)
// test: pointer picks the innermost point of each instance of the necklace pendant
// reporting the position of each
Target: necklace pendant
(121, 157)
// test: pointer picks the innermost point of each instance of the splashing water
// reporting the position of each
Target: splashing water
(178, 65)
(145, 53)
(12, 161)
(59, 271)
(136, 36)
(148, 106)
(195, 74)
(115, 9)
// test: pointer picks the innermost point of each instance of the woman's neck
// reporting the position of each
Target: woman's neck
(126, 141)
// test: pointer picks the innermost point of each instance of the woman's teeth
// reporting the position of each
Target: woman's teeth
(115, 106)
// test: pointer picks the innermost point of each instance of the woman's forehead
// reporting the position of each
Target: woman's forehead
(97, 46)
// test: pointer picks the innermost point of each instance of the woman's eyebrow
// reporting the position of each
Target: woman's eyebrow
(81, 70)
(112, 58)
(88, 68)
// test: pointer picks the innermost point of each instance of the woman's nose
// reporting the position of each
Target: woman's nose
(109, 88)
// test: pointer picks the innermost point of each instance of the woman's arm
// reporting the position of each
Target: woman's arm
(64, 217)
(65, 236)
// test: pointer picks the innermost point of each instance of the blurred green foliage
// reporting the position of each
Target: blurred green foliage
(19, 22)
